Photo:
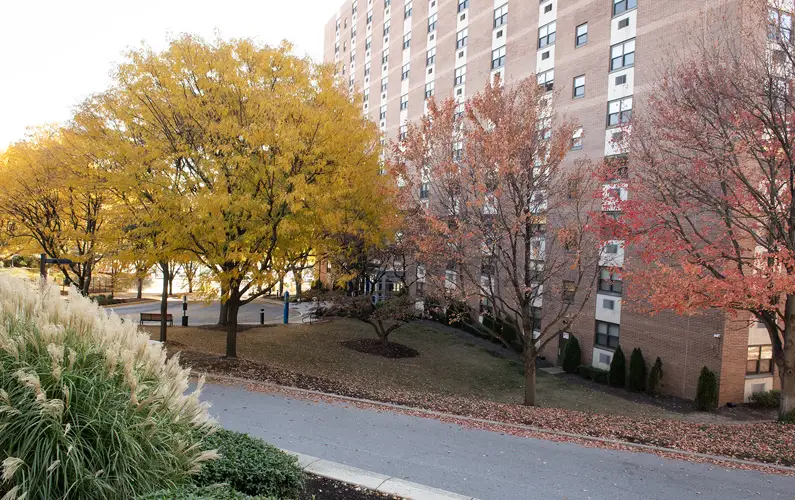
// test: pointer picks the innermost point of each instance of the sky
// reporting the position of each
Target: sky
(55, 53)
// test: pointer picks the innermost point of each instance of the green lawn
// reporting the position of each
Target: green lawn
(449, 363)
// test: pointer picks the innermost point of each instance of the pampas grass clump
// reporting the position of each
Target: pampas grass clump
(89, 408)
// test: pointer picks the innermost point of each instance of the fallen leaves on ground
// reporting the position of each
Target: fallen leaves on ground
(766, 442)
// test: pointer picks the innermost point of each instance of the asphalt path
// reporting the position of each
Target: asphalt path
(484, 464)
(206, 313)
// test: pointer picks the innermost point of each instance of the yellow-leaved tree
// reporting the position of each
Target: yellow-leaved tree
(254, 156)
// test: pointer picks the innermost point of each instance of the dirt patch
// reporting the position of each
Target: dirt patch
(321, 488)
(392, 350)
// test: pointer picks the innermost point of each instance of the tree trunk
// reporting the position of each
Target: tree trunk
(223, 313)
(164, 303)
(297, 285)
(231, 327)
(140, 283)
(529, 359)
(171, 285)
(190, 285)
(786, 363)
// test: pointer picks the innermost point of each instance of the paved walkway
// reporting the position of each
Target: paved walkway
(206, 313)
(482, 464)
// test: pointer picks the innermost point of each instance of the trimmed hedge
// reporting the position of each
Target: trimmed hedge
(251, 466)
(707, 390)
(618, 369)
(593, 373)
(192, 492)
(655, 377)
(572, 355)
(766, 399)
(637, 371)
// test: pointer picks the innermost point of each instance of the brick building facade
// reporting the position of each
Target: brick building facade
(598, 57)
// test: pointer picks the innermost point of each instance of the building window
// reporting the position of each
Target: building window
(498, 58)
(384, 81)
(576, 139)
(621, 79)
(367, 69)
(581, 37)
(460, 75)
(429, 90)
(387, 24)
(779, 25)
(500, 16)
(569, 291)
(403, 132)
(579, 86)
(385, 56)
(370, 17)
(622, 55)
(607, 334)
(430, 57)
(459, 111)
(382, 112)
(420, 289)
(461, 38)
(353, 33)
(537, 313)
(404, 102)
(425, 189)
(407, 40)
(546, 34)
(610, 282)
(368, 42)
(624, 23)
(366, 96)
(620, 6)
(611, 248)
(404, 74)
(760, 359)
(463, 5)
(546, 80)
(407, 10)
(432, 23)
(619, 111)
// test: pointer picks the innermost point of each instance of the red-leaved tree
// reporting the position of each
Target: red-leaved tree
(712, 187)
(499, 222)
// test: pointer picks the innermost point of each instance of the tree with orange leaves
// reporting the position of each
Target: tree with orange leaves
(498, 216)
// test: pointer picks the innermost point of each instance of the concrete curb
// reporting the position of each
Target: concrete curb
(371, 480)
(639, 446)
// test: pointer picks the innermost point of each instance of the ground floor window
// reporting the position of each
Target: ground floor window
(760, 359)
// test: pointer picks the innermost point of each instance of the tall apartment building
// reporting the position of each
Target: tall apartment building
(599, 57)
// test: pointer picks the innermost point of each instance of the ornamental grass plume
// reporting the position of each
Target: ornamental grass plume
(89, 407)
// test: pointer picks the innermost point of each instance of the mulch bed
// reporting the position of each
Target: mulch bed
(391, 350)
(320, 488)
(767, 442)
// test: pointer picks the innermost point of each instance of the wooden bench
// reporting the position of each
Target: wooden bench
(156, 317)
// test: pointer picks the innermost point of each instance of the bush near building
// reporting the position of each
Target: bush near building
(572, 355)
(707, 390)
(618, 369)
(636, 381)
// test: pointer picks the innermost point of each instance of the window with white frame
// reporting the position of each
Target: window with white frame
(429, 89)
(619, 111)
(385, 56)
(368, 43)
(622, 55)
(463, 5)
(547, 80)
(384, 83)
(387, 24)
(407, 40)
(579, 87)
(607, 334)
(367, 69)
(404, 102)
(581, 35)
(404, 72)
(546, 34)
(460, 75)
(576, 139)
(369, 17)
(432, 23)
(461, 38)
(430, 56)
(407, 10)
(501, 15)
(382, 112)
(620, 6)
(402, 132)
(498, 58)
(779, 26)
